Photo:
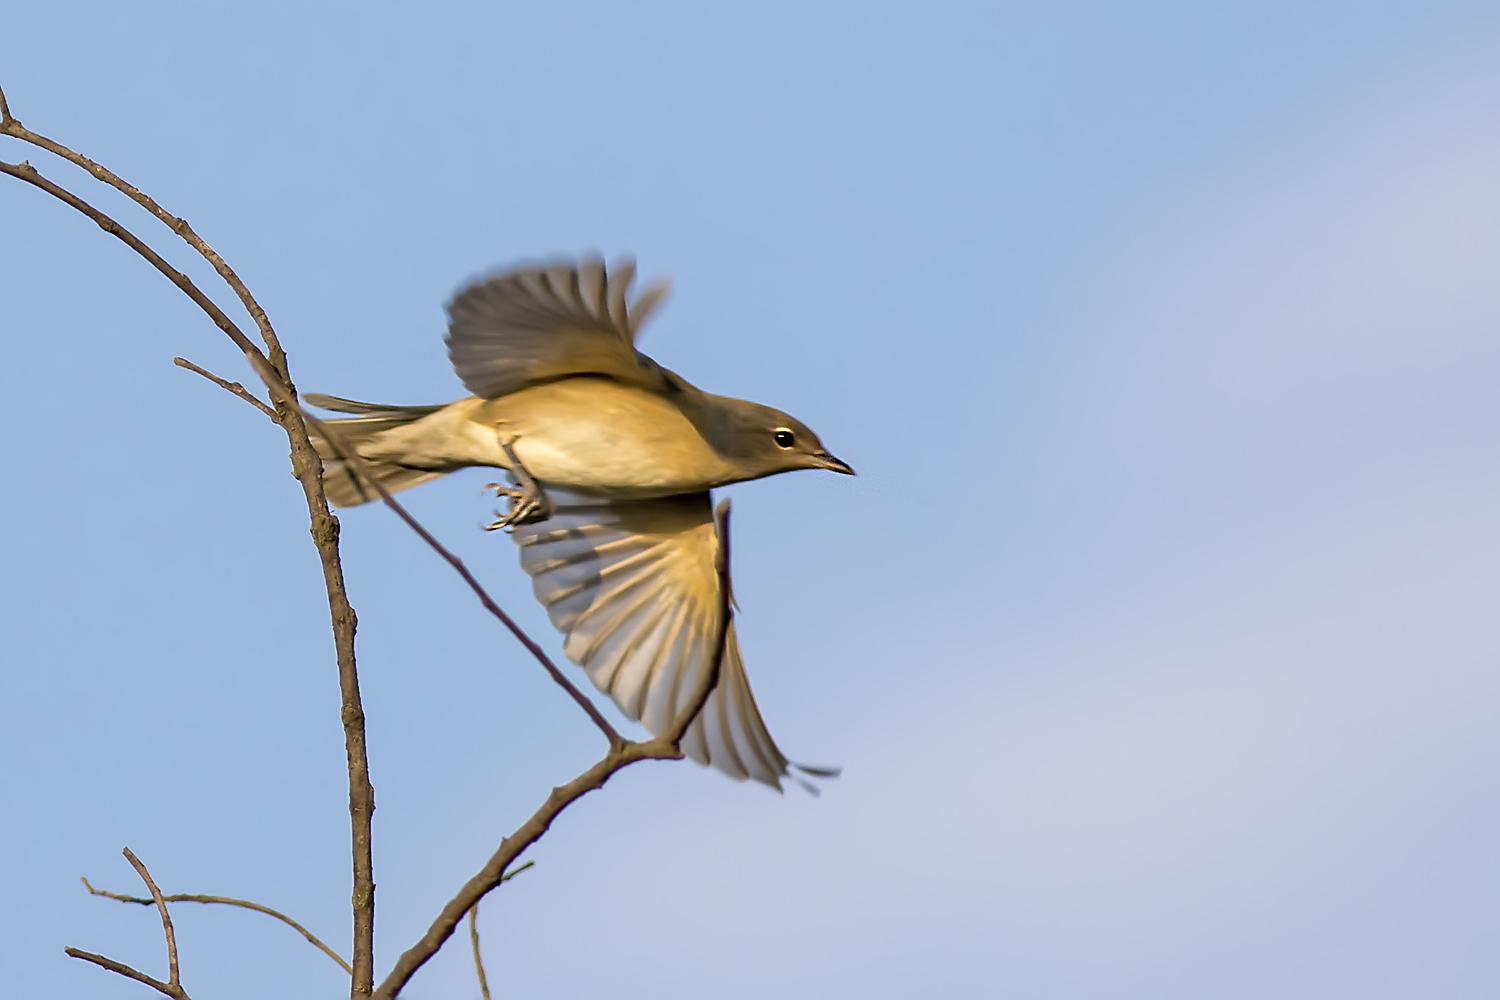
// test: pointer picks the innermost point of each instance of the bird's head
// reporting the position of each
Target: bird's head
(762, 441)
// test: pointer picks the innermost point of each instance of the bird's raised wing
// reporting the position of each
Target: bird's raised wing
(537, 324)
(634, 587)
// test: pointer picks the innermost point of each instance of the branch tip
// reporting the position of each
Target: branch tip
(173, 977)
(484, 982)
(233, 388)
(176, 992)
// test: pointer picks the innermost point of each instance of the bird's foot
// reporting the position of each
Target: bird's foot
(529, 503)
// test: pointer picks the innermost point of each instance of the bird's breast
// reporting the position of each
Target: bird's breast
(599, 435)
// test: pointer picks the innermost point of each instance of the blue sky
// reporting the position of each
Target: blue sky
(1156, 636)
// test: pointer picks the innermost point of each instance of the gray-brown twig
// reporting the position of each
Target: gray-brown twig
(484, 981)
(231, 387)
(11, 126)
(173, 986)
(323, 526)
(194, 897)
(173, 976)
(121, 969)
(26, 172)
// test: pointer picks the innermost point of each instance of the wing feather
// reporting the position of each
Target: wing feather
(632, 584)
(535, 324)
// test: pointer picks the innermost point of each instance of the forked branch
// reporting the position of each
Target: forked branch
(306, 467)
(173, 986)
(233, 388)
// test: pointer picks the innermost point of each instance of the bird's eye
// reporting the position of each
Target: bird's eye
(784, 438)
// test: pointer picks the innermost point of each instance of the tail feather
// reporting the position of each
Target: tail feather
(377, 410)
(343, 486)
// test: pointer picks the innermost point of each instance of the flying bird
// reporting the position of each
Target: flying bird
(611, 460)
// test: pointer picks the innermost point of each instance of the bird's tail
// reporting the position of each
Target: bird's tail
(344, 487)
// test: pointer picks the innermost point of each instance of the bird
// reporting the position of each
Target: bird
(611, 459)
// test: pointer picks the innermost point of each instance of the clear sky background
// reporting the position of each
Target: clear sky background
(1157, 635)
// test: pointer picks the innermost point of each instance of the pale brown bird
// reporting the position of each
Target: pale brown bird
(615, 457)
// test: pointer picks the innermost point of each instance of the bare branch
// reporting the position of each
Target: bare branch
(119, 968)
(308, 470)
(173, 978)
(359, 465)
(232, 387)
(12, 127)
(26, 172)
(173, 986)
(186, 897)
(484, 983)
(493, 871)
(621, 755)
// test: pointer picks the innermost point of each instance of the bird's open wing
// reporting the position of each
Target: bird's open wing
(634, 587)
(536, 324)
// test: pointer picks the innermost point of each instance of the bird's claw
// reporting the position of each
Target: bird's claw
(528, 505)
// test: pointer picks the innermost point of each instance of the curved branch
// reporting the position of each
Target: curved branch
(120, 968)
(11, 126)
(174, 979)
(26, 172)
(233, 388)
(193, 897)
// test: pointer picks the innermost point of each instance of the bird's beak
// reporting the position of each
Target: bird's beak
(827, 461)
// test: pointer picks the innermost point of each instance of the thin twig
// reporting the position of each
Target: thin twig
(26, 172)
(620, 756)
(173, 986)
(361, 467)
(308, 470)
(120, 968)
(11, 126)
(484, 983)
(228, 386)
(192, 897)
(174, 980)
